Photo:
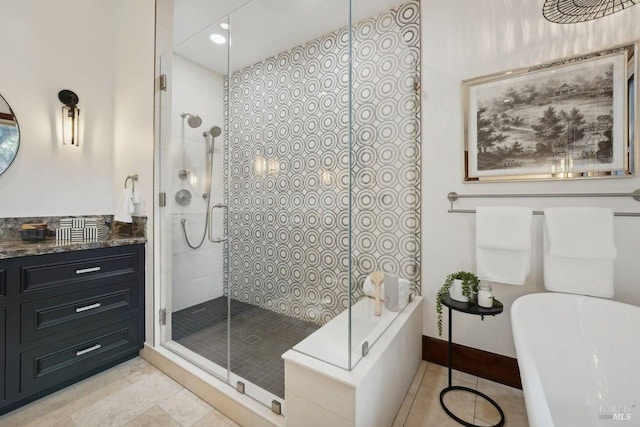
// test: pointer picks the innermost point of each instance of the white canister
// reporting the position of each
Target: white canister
(485, 295)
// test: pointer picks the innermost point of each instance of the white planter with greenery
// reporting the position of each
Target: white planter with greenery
(468, 283)
(455, 292)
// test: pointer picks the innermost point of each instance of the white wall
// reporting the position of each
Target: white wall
(133, 88)
(103, 51)
(50, 46)
(464, 39)
(196, 275)
(133, 116)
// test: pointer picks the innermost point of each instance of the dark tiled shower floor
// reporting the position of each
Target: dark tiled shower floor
(258, 338)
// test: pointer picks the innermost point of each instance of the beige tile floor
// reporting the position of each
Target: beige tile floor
(421, 406)
(132, 394)
(136, 394)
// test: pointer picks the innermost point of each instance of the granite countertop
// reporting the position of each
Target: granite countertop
(120, 234)
(10, 248)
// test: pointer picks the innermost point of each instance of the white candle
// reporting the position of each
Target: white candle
(485, 296)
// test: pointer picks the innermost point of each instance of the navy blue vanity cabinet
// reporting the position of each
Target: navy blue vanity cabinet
(3, 334)
(68, 316)
(3, 325)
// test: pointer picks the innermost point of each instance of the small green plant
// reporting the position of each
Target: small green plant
(470, 284)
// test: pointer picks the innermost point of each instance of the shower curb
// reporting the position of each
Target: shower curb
(240, 408)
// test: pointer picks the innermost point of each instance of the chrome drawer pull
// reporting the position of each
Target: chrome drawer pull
(88, 350)
(88, 307)
(87, 270)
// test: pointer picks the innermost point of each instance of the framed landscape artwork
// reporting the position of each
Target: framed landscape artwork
(571, 118)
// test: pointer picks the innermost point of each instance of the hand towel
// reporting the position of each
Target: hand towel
(503, 244)
(139, 204)
(580, 232)
(404, 289)
(575, 263)
(125, 206)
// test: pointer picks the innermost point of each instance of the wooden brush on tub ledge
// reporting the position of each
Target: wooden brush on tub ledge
(377, 278)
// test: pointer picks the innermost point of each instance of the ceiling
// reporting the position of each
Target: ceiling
(259, 29)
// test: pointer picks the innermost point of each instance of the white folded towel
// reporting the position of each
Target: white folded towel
(580, 232)
(404, 289)
(139, 204)
(503, 244)
(579, 250)
(507, 228)
(125, 206)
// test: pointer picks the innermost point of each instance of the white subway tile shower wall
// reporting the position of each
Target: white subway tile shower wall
(288, 186)
(197, 275)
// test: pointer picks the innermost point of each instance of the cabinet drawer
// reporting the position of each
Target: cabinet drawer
(3, 282)
(43, 276)
(64, 360)
(77, 311)
(3, 335)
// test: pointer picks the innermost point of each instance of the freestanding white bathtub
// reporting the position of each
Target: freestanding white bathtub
(579, 360)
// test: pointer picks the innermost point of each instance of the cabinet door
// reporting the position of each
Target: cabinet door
(3, 282)
(69, 359)
(3, 385)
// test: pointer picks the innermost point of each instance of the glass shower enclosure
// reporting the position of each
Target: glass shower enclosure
(290, 161)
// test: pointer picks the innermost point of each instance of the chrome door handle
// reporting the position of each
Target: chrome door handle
(211, 239)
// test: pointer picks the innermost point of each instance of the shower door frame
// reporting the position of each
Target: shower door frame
(165, 279)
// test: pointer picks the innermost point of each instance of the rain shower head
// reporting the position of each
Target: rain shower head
(193, 120)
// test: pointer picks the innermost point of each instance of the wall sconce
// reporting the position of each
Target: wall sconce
(263, 166)
(70, 117)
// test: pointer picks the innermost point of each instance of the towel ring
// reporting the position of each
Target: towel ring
(133, 179)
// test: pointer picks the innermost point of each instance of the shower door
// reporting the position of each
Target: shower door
(193, 300)
(310, 184)
(287, 182)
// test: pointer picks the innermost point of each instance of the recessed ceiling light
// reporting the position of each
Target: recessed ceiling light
(217, 38)
(224, 26)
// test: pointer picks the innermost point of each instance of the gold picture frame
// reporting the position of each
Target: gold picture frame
(567, 119)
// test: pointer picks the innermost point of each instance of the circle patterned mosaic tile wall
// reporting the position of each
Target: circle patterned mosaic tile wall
(288, 154)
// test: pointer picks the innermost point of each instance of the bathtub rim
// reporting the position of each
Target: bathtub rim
(315, 345)
(538, 411)
(352, 377)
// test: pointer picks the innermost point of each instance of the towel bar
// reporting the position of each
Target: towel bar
(453, 196)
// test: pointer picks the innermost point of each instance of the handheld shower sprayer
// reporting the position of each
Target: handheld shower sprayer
(215, 132)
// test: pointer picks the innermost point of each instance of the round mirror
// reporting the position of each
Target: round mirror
(9, 135)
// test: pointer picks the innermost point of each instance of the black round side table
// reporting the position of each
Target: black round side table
(466, 307)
